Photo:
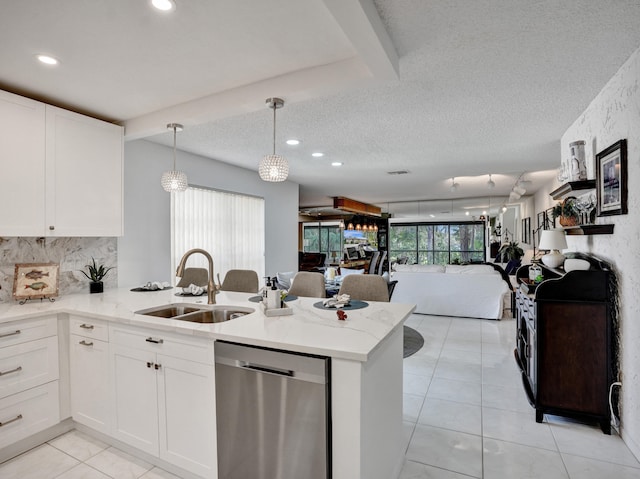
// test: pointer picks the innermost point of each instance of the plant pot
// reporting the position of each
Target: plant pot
(96, 287)
(569, 220)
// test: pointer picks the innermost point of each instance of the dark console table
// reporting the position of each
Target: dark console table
(565, 346)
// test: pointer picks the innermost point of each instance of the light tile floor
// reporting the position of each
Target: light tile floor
(465, 416)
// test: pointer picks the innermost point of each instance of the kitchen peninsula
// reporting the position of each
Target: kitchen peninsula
(91, 345)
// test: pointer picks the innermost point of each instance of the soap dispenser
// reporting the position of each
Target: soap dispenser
(265, 289)
(273, 295)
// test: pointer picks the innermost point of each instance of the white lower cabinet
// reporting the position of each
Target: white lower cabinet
(164, 397)
(90, 374)
(29, 373)
(89, 369)
(28, 412)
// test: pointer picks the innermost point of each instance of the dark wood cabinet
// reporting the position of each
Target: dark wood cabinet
(564, 341)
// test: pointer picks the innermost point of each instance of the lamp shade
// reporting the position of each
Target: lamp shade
(552, 239)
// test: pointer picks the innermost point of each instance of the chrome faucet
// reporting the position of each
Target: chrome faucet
(211, 287)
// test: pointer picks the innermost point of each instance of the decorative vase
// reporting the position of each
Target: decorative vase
(96, 287)
(569, 220)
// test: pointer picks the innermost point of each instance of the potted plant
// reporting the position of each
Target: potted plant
(567, 212)
(96, 274)
(509, 251)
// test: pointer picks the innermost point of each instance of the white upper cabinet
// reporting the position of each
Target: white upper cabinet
(22, 167)
(64, 171)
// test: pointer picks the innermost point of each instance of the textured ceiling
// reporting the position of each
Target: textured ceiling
(441, 89)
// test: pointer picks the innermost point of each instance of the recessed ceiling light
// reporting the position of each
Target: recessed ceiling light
(47, 59)
(317, 154)
(336, 163)
(293, 142)
(466, 213)
(164, 5)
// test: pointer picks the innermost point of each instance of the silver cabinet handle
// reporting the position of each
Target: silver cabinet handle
(86, 326)
(154, 341)
(84, 343)
(4, 423)
(19, 368)
(5, 335)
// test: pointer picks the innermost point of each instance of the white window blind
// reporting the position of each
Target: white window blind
(229, 226)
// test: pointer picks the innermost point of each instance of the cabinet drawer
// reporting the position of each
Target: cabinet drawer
(26, 365)
(28, 412)
(193, 349)
(90, 328)
(17, 332)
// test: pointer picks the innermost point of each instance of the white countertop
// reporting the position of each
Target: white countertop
(309, 329)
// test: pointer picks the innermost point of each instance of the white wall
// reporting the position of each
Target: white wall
(145, 250)
(615, 114)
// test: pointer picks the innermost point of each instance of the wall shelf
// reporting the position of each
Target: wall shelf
(589, 230)
(564, 190)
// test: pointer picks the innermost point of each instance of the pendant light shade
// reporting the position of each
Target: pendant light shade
(274, 168)
(174, 180)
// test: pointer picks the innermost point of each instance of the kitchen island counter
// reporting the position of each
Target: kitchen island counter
(365, 352)
(308, 330)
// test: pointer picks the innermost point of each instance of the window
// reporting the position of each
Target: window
(437, 243)
(323, 237)
(229, 226)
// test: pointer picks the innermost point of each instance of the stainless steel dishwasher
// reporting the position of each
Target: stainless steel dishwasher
(272, 414)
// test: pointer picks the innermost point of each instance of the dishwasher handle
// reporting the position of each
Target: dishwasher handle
(269, 370)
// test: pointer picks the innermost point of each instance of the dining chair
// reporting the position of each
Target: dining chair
(241, 280)
(381, 262)
(365, 287)
(197, 276)
(374, 262)
(308, 284)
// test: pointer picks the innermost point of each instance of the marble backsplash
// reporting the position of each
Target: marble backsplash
(71, 253)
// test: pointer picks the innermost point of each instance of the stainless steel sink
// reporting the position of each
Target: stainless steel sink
(197, 313)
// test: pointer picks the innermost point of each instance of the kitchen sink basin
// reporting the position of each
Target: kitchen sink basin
(169, 310)
(197, 313)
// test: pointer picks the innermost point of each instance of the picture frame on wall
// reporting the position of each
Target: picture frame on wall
(36, 281)
(611, 180)
(550, 219)
(542, 220)
(526, 230)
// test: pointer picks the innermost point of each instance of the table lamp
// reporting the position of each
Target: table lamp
(554, 241)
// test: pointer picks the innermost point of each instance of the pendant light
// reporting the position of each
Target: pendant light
(454, 185)
(174, 180)
(274, 167)
(491, 184)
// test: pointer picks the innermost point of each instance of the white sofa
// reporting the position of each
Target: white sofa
(474, 291)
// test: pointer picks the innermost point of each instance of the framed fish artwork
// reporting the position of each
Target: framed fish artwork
(36, 281)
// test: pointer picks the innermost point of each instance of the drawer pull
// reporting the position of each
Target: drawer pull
(86, 326)
(157, 366)
(6, 335)
(84, 343)
(154, 341)
(149, 364)
(19, 368)
(19, 416)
